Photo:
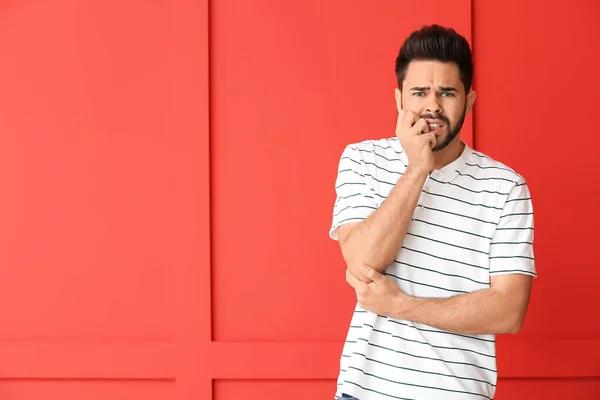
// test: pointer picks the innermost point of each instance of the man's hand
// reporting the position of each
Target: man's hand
(381, 296)
(416, 140)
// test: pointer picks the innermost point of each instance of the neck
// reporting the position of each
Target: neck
(448, 154)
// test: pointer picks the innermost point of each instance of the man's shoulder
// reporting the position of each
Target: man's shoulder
(383, 150)
(369, 145)
(485, 165)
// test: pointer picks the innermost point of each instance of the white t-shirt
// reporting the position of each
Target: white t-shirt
(474, 219)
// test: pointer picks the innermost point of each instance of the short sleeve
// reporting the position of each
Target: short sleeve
(511, 249)
(355, 199)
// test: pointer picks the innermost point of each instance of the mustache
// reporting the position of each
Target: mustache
(436, 116)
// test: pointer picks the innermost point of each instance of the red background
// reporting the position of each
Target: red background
(167, 176)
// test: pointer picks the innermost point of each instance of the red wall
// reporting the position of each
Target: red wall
(168, 172)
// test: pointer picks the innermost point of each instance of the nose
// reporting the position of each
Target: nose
(433, 106)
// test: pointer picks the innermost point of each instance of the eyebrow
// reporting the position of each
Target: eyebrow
(441, 88)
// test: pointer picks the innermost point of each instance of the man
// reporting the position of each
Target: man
(437, 238)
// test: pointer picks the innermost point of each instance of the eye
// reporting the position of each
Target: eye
(447, 94)
(419, 94)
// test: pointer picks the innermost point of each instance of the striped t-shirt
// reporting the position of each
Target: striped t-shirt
(474, 219)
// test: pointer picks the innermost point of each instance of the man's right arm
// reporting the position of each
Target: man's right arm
(376, 240)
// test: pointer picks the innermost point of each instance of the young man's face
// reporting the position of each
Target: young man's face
(434, 90)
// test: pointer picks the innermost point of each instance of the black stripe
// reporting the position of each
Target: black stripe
(356, 194)
(339, 212)
(350, 183)
(526, 257)
(425, 284)
(378, 167)
(452, 229)
(458, 215)
(470, 190)
(481, 155)
(437, 347)
(438, 331)
(510, 215)
(377, 145)
(448, 244)
(350, 170)
(441, 273)
(526, 198)
(428, 358)
(511, 243)
(490, 167)
(363, 176)
(445, 259)
(376, 391)
(486, 179)
(351, 159)
(462, 201)
(389, 147)
(379, 155)
(421, 371)
(420, 386)
(375, 179)
(511, 229)
(521, 184)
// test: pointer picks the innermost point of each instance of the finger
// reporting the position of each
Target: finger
(430, 138)
(374, 275)
(409, 119)
(358, 274)
(350, 278)
(421, 126)
(354, 281)
(400, 121)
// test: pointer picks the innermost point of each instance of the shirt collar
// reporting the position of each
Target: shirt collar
(448, 172)
(452, 170)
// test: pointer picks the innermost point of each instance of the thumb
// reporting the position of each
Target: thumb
(373, 274)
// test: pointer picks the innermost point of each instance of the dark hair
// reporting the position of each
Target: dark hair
(436, 43)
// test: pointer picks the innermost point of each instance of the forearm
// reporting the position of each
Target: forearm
(376, 240)
(487, 311)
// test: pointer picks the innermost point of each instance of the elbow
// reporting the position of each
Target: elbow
(378, 262)
(514, 328)
(514, 324)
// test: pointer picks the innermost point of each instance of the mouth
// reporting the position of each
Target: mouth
(435, 125)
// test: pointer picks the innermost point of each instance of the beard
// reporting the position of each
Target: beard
(452, 130)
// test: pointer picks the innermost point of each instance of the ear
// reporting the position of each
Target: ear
(398, 95)
(470, 101)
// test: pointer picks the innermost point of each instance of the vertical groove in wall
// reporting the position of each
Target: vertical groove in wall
(475, 74)
(209, 161)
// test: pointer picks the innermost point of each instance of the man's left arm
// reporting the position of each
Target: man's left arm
(499, 309)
